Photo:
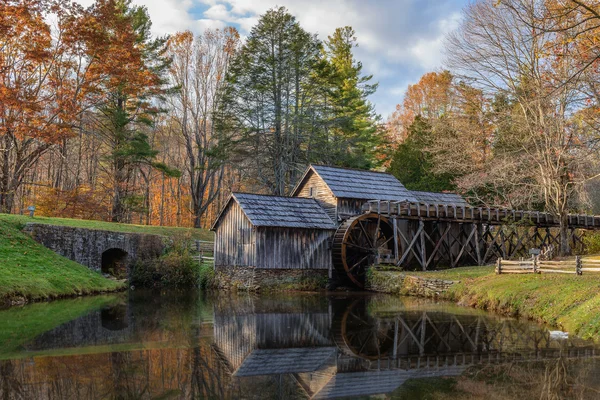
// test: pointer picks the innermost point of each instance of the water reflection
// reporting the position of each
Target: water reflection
(189, 345)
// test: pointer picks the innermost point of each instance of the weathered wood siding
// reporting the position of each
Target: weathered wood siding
(235, 239)
(321, 193)
(293, 248)
(349, 207)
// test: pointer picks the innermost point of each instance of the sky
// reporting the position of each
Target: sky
(399, 40)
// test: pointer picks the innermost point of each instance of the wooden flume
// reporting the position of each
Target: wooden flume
(425, 236)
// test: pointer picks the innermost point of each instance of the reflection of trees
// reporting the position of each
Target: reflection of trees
(130, 379)
(209, 378)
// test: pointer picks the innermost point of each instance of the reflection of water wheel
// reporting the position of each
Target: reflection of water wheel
(359, 242)
(362, 335)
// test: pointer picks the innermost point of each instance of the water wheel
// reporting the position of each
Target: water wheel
(359, 242)
(358, 333)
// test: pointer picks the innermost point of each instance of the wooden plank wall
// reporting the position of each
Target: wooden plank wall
(350, 207)
(323, 195)
(293, 248)
(235, 239)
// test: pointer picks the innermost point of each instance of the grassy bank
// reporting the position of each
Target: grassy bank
(567, 301)
(31, 271)
(201, 234)
(22, 324)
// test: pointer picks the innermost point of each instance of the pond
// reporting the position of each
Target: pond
(172, 345)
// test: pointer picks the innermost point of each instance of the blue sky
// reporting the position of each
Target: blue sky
(399, 40)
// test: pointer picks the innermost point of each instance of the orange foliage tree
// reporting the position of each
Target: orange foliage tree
(51, 74)
(429, 98)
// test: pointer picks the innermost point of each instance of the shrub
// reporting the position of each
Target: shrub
(206, 275)
(174, 268)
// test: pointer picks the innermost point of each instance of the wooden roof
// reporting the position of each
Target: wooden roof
(358, 184)
(283, 212)
(439, 198)
(285, 361)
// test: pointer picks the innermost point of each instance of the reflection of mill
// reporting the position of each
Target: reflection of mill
(417, 339)
(351, 348)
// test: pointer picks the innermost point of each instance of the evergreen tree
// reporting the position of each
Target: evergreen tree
(130, 106)
(351, 121)
(268, 96)
(413, 166)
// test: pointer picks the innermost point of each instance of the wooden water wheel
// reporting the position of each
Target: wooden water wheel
(358, 333)
(359, 242)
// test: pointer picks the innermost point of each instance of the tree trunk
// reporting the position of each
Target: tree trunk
(118, 211)
(565, 248)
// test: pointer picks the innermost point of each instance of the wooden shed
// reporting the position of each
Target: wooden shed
(273, 232)
(343, 191)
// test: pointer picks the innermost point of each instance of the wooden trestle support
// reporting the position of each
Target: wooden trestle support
(426, 236)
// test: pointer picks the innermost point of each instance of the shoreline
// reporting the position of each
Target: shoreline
(569, 303)
(18, 300)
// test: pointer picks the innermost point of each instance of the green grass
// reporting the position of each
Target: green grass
(567, 301)
(200, 234)
(455, 274)
(30, 270)
(22, 324)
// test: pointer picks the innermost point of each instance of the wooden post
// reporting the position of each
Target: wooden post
(423, 253)
(535, 264)
(396, 245)
(578, 265)
(499, 266)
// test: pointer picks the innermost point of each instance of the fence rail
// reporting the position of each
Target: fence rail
(536, 266)
(204, 250)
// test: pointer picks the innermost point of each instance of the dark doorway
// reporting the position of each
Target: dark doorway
(114, 263)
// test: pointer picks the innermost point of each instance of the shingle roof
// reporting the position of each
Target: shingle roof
(439, 198)
(284, 361)
(366, 185)
(285, 212)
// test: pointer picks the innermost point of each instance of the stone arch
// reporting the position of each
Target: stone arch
(114, 262)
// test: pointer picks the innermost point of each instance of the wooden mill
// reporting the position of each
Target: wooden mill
(343, 221)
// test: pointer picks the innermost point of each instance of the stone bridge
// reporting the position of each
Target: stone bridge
(108, 252)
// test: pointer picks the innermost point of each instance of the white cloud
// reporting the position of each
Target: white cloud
(399, 40)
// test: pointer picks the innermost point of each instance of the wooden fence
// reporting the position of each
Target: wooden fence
(204, 250)
(536, 266)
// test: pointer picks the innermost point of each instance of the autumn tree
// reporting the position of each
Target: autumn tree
(198, 69)
(130, 98)
(430, 98)
(440, 132)
(542, 148)
(49, 77)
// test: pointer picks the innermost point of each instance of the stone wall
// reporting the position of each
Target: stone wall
(407, 285)
(86, 246)
(258, 279)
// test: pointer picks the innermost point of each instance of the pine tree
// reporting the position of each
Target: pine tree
(131, 101)
(268, 96)
(413, 165)
(351, 120)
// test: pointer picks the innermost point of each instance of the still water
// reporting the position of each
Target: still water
(172, 345)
